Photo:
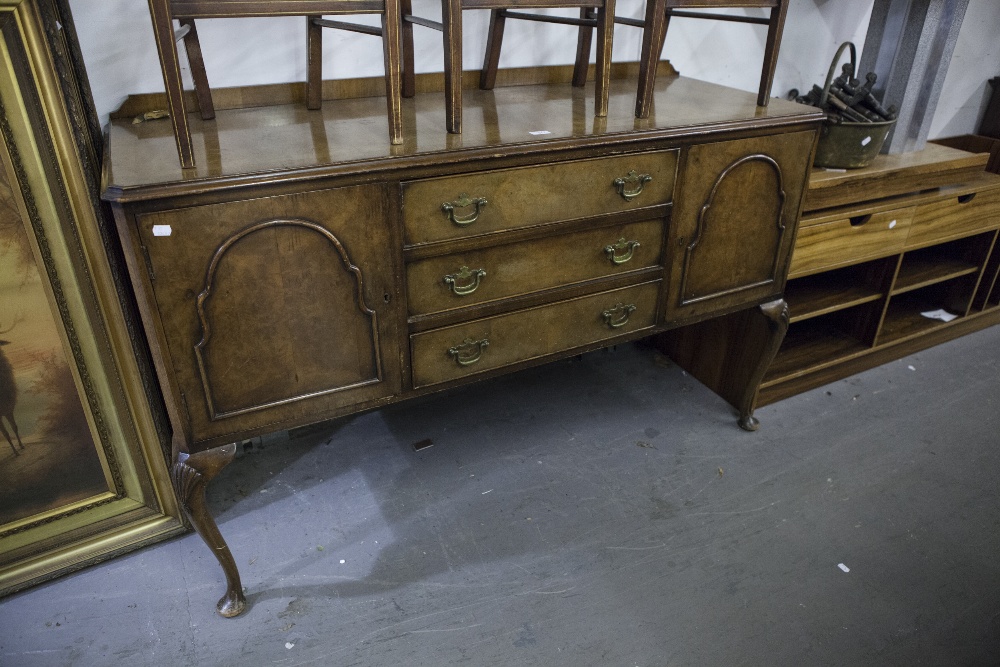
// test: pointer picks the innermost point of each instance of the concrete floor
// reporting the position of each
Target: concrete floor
(603, 511)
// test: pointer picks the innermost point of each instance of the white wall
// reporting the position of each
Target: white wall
(117, 42)
(977, 58)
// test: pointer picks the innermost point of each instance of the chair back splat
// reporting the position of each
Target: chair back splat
(654, 33)
(601, 19)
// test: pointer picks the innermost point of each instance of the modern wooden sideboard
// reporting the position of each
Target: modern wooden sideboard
(306, 269)
(889, 260)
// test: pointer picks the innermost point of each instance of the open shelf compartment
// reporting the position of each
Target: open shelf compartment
(903, 318)
(823, 341)
(940, 263)
(988, 292)
(832, 291)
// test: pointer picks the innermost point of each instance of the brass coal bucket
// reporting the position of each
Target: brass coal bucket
(848, 145)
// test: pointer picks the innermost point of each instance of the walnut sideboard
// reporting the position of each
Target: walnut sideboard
(306, 269)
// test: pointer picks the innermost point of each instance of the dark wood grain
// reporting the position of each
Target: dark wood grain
(254, 143)
(531, 333)
(733, 224)
(530, 266)
(534, 195)
(731, 354)
(298, 273)
(250, 289)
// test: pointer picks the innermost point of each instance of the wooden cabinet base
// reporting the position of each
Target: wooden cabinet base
(731, 354)
(292, 278)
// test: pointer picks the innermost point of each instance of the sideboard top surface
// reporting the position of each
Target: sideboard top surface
(250, 145)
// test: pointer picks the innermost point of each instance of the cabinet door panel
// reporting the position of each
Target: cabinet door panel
(734, 221)
(276, 308)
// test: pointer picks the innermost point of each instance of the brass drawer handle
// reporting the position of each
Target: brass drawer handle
(469, 351)
(465, 281)
(621, 252)
(464, 201)
(635, 182)
(618, 316)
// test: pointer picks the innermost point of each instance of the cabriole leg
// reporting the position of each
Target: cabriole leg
(771, 321)
(189, 475)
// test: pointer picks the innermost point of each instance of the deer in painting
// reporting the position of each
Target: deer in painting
(8, 394)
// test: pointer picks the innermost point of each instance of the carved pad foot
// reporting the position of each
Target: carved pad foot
(231, 604)
(749, 422)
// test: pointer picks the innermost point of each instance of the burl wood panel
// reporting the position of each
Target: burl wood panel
(277, 306)
(534, 195)
(734, 220)
(849, 240)
(531, 266)
(532, 333)
(955, 217)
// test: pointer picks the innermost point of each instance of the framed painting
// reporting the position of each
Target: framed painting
(83, 475)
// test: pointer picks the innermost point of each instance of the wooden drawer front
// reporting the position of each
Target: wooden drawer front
(529, 334)
(955, 217)
(534, 195)
(453, 281)
(849, 240)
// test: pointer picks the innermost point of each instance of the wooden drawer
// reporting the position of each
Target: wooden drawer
(533, 195)
(465, 349)
(849, 240)
(462, 279)
(955, 217)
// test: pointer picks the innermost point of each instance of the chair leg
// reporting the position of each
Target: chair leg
(451, 17)
(605, 36)
(393, 84)
(314, 64)
(584, 38)
(198, 74)
(491, 62)
(406, 31)
(166, 46)
(774, 29)
(653, 35)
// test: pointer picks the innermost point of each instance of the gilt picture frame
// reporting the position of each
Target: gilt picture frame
(83, 473)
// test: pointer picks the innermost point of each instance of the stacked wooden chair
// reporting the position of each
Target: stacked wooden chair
(654, 33)
(164, 12)
(599, 16)
(397, 39)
